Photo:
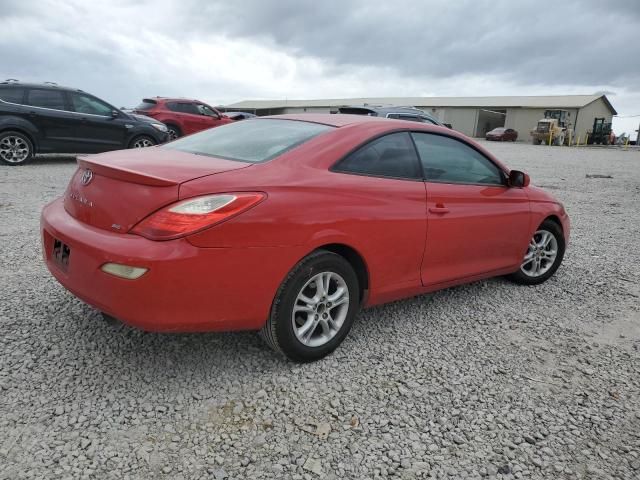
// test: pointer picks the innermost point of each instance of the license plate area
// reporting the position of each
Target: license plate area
(61, 254)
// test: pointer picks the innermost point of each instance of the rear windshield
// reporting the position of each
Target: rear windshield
(251, 140)
(357, 111)
(146, 105)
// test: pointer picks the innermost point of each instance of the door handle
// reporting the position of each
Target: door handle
(439, 208)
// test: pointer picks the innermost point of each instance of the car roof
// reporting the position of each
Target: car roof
(333, 119)
(388, 109)
(172, 99)
(51, 85)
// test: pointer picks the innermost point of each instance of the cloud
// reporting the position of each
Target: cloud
(226, 51)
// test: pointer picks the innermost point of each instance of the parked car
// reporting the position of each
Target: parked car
(239, 115)
(290, 224)
(502, 134)
(399, 113)
(182, 116)
(47, 118)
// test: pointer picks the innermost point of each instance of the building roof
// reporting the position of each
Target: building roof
(547, 101)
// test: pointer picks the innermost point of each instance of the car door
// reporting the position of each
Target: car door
(47, 109)
(100, 127)
(192, 118)
(388, 200)
(476, 223)
(214, 117)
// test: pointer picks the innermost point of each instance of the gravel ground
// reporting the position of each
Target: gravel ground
(486, 380)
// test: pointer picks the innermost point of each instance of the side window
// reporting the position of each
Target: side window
(208, 111)
(83, 103)
(12, 94)
(427, 120)
(390, 156)
(410, 118)
(173, 106)
(46, 99)
(188, 108)
(447, 160)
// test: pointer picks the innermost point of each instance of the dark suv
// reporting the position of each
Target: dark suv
(399, 113)
(46, 118)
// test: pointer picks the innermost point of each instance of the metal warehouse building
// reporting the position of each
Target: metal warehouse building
(473, 116)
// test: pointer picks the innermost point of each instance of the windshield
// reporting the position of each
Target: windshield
(498, 130)
(251, 141)
(146, 105)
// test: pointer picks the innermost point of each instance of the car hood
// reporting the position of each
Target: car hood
(142, 118)
(538, 194)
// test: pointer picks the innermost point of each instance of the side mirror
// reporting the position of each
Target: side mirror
(518, 179)
(115, 113)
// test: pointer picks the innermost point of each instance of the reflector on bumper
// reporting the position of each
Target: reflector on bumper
(123, 271)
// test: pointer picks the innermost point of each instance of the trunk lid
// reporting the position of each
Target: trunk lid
(115, 190)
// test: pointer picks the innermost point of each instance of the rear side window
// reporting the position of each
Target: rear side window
(206, 110)
(390, 156)
(447, 160)
(53, 99)
(357, 111)
(185, 108)
(251, 141)
(83, 103)
(12, 94)
(147, 104)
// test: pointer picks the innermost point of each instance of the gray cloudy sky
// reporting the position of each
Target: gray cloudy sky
(225, 51)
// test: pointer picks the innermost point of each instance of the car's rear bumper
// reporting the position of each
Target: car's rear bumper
(186, 288)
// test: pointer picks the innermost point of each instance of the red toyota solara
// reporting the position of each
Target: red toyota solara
(290, 224)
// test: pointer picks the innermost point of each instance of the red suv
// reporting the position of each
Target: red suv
(182, 116)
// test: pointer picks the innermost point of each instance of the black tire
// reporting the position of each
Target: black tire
(554, 229)
(142, 141)
(14, 143)
(174, 132)
(278, 332)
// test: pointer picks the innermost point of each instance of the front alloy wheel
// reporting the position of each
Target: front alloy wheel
(142, 142)
(314, 307)
(543, 256)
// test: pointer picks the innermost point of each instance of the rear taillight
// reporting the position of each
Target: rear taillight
(190, 216)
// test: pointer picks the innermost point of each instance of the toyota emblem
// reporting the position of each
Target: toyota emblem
(87, 176)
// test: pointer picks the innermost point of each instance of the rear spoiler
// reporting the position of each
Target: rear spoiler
(124, 174)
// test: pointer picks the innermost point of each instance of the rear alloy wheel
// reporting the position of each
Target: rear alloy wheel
(314, 308)
(173, 132)
(543, 257)
(15, 148)
(142, 142)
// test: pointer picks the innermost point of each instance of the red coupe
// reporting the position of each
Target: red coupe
(290, 224)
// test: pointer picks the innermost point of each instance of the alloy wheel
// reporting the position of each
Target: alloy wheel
(14, 149)
(143, 143)
(320, 309)
(541, 254)
(173, 133)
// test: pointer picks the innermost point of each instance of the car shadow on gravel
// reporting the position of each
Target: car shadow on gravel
(108, 348)
(52, 159)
